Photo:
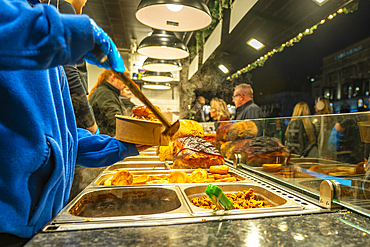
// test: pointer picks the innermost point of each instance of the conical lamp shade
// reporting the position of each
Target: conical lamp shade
(174, 15)
(161, 65)
(163, 45)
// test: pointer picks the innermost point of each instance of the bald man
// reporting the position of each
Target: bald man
(245, 106)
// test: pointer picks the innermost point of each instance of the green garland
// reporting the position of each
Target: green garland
(201, 35)
(353, 6)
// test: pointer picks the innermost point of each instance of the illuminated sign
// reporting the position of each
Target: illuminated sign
(349, 52)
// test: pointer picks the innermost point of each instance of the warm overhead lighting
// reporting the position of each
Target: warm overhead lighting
(163, 45)
(161, 65)
(157, 86)
(157, 76)
(174, 15)
(223, 68)
(255, 44)
(174, 7)
(320, 2)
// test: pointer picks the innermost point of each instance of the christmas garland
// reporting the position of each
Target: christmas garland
(353, 6)
(201, 35)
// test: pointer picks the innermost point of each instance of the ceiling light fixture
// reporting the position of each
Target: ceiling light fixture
(255, 44)
(161, 65)
(223, 68)
(174, 7)
(163, 45)
(157, 86)
(320, 2)
(155, 76)
(174, 15)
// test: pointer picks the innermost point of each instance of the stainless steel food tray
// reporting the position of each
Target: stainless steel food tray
(180, 211)
(142, 158)
(312, 161)
(275, 201)
(125, 204)
(149, 152)
(307, 166)
(138, 166)
(99, 181)
(140, 203)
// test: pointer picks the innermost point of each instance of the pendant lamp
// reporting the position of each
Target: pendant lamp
(155, 76)
(163, 45)
(174, 15)
(157, 86)
(161, 65)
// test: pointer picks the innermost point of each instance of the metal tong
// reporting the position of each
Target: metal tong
(218, 197)
(170, 129)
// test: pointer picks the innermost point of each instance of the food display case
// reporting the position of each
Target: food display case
(100, 206)
(321, 180)
(311, 186)
(338, 155)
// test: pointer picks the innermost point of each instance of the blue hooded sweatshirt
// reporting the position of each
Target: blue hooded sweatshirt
(39, 142)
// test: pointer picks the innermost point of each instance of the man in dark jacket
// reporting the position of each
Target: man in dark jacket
(106, 103)
(245, 106)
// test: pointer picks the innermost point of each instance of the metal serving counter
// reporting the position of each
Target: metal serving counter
(100, 206)
(101, 215)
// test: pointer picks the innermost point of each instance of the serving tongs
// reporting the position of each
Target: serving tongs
(218, 197)
(170, 129)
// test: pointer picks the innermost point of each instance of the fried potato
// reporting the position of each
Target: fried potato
(224, 169)
(178, 177)
(122, 177)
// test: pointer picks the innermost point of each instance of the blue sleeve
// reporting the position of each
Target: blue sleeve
(40, 37)
(101, 150)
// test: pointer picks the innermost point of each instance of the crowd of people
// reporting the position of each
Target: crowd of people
(302, 133)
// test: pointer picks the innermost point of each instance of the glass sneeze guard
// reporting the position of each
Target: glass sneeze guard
(303, 151)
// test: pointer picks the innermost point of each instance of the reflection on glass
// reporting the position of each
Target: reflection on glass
(340, 151)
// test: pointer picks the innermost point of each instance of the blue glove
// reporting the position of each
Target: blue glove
(107, 47)
(97, 132)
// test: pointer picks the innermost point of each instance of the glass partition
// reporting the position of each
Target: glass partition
(302, 151)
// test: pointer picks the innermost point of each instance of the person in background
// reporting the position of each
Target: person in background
(322, 106)
(245, 106)
(40, 143)
(125, 98)
(344, 109)
(83, 112)
(300, 136)
(105, 102)
(345, 140)
(219, 111)
(200, 115)
(323, 125)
